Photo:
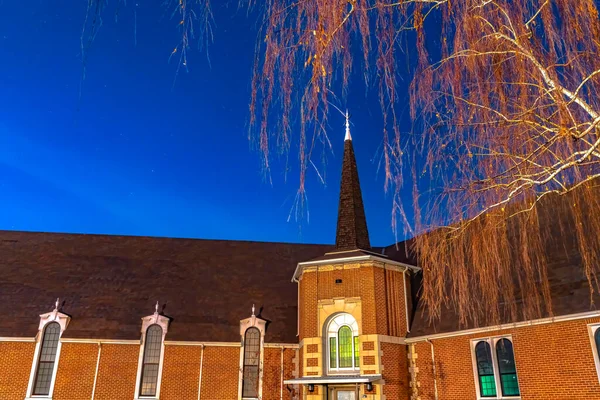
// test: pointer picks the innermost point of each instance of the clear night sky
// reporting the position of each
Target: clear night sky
(139, 156)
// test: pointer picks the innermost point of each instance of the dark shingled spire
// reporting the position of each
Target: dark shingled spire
(352, 230)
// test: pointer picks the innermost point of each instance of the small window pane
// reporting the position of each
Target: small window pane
(507, 368)
(151, 361)
(356, 352)
(251, 363)
(43, 376)
(332, 353)
(485, 369)
(345, 347)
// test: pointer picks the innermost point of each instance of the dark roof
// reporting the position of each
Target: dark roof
(352, 232)
(108, 283)
(569, 288)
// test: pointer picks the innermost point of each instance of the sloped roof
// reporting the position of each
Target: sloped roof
(569, 288)
(108, 283)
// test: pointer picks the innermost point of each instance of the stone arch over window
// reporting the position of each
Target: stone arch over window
(47, 353)
(342, 344)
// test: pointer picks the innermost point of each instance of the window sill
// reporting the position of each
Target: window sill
(500, 398)
(40, 397)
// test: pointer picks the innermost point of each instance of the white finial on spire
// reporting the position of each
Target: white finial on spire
(56, 304)
(156, 308)
(253, 310)
(348, 137)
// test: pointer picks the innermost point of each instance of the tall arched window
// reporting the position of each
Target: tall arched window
(47, 359)
(251, 363)
(343, 343)
(485, 369)
(151, 361)
(507, 368)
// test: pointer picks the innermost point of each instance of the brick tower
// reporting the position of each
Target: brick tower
(352, 310)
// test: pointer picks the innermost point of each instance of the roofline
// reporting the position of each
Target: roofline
(366, 257)
(120, 235)
(533, 322)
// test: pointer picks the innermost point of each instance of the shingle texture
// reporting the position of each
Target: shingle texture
(108, 283)
(352, 230)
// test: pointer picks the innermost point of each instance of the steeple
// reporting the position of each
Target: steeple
(352, 230)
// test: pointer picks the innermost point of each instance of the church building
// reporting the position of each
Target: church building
(96, 317)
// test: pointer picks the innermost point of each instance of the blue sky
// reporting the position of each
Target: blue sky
(139, 155)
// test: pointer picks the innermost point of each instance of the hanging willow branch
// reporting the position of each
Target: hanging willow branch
(506, 111)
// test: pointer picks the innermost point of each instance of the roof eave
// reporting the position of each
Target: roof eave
(366, 257)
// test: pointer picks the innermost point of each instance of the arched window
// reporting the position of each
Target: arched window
(47, 359)
(251, 363)
(507, 368)
(151, 361)
(343, 343)
(485, 369)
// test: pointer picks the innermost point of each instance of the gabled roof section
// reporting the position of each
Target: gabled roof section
(352, 232)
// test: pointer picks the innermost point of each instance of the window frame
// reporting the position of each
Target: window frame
(260, 350)
(253, 321)
(342, 320)
(592, 328)
(492, 341)
(46, 319)
(163, 322)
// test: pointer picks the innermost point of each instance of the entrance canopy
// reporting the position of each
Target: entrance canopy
(329, 380)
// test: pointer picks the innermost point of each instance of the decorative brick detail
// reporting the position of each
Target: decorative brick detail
(312, 348)
(312, 362)
(368, 360)
(312, 373)
(369, 372)
(367, 346)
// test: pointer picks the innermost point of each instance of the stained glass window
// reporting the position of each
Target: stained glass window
(151, 361)
(485, 369)
(345, 347)
(332, 353)
(251, 363)
(45, 368)
(507, 368)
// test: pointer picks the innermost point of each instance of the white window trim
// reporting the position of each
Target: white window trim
(592, 328)
(329, 333)
(163, 322)
(492, 342)
(45, 319)
(245, 324)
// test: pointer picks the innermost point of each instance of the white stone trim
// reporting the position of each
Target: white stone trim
(147, 322)
(492, 342)
(592, 328)
(245, 324)
(45, 319)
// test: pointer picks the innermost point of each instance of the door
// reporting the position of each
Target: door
(346, 395)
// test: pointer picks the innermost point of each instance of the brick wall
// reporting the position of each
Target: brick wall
(553, 361)
(16, 359)
(76, 370)
(308, 305)
(220, 374)
(181, 370)
(395, 371)
(117, 372)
